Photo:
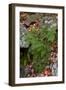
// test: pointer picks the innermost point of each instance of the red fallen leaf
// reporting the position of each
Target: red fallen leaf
(47, 72)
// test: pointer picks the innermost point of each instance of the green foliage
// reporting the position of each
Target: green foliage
(51, 34)
(40, 46)
(23, 59)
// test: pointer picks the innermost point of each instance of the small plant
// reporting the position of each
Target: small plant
(40, 49)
